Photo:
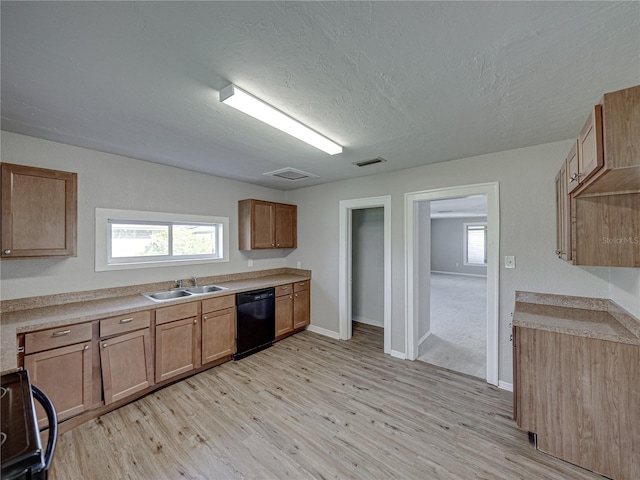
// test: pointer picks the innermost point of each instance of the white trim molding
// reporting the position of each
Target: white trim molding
(505, 386)
(368, 321)
(491, 190)
(396, 354)
(324, 331)
(344, 272)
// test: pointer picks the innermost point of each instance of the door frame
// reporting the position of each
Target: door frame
(345, 273)
(491, 190)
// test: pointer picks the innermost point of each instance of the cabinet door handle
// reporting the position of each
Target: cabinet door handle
(61, 333)
(86, 347)
(126, 320)
(104, 345)
(204, 318)
(7, 252)
(195, 321)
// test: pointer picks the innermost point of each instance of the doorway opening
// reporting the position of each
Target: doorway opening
(418, 268)
(456, 336)
(346, 261)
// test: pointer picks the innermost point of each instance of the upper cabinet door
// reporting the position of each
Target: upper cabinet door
(573, 168)
(39, 212)
(263, 215)
(286, 226)
(266, 225)
(590, 154)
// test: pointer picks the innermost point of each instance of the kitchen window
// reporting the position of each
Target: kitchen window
(475, 244)
(133, 239)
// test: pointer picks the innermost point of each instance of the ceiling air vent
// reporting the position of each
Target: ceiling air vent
(291, 174)
(365, 163)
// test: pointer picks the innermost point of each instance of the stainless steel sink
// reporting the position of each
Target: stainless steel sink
(205, 289)
(167, 295)
(175, 293)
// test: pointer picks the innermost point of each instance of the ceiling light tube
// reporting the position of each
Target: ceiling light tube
(247, 103)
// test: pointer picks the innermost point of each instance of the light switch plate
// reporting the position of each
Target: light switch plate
(509, 261)
(250, 262)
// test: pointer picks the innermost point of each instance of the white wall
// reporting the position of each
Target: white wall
(367, 271)
(112, 181)
(527, 222)
(625, 289)
(447, 246)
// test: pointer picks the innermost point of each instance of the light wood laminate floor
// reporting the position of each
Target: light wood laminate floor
(312, 407)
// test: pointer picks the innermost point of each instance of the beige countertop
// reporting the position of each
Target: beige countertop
(580, 316)
(128, 300)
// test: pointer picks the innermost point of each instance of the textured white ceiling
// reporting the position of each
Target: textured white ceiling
(412, 82)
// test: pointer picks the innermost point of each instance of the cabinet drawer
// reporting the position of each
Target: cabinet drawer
(177, 312)
(57, 337)
(218, 303)
(284, 289)
(124, 323)
(299, 286)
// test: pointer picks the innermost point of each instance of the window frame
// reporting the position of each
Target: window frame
(465, 243)
(105, 217)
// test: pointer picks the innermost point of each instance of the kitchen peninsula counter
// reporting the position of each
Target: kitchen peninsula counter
(595, 318)
(577, 380)
(37, 313)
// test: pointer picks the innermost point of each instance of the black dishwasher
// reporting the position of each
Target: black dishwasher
(255, 321)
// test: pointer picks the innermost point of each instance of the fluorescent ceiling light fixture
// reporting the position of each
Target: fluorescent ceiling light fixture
(247, 103)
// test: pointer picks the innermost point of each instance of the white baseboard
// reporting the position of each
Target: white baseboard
(463, 274)
(324, 331)
(424, 337)
(396, 354)
(367, 321)
(505, 386)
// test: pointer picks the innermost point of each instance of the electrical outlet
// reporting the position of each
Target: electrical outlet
(509, 261)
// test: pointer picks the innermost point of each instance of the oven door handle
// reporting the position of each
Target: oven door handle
(52, 418)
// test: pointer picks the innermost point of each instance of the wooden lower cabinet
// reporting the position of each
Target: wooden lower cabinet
(581, 396)
(219, 330)
(127, 366)
(177, 346)
(64, 375)
(284, 310)
(301, 305)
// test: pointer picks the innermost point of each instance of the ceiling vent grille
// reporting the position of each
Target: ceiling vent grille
(373, 161)
(291, 174)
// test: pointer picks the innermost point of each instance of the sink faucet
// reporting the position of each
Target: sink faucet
(179, 283)
(195, 282)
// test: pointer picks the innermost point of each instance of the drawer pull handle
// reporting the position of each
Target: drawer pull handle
(126, 320)
(61, 333)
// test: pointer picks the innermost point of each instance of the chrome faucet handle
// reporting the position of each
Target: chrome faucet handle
(179, 283)
(195, 281)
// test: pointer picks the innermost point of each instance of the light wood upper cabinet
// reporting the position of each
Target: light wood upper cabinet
(39, 212)
(563, 214)
(590, 155)
(266, 225)
(286, 226)
(598, 207)
(616, 129)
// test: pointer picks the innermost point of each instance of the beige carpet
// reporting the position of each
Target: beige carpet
(458, 339)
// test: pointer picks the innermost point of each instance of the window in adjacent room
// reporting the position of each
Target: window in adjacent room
(475, 244)
(133, 239)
